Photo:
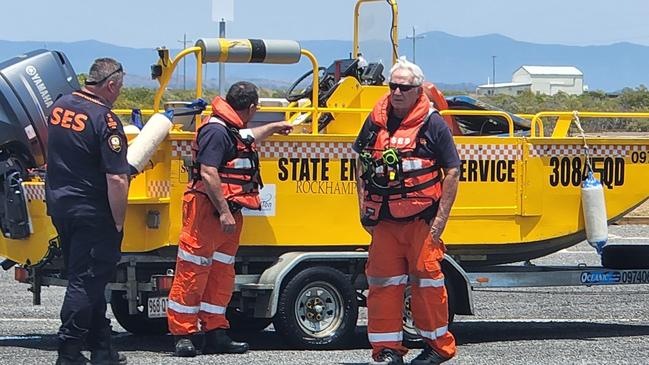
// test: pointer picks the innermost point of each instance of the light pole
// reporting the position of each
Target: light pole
(414, 38)
(222, 11)
(493, 70)
(221, 64)
(184, 42)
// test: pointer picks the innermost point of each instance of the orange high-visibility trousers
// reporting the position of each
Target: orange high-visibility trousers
(204, 277)
(401, 253)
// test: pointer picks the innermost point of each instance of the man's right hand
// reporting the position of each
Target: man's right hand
(283, 128)
(228, 224)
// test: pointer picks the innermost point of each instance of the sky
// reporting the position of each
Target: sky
(149, 23)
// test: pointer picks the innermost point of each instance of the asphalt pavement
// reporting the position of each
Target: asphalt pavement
(567, 325)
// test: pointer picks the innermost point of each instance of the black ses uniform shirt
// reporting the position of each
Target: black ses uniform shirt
(85, 142)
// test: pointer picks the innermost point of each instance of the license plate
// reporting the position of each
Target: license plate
(157, 307)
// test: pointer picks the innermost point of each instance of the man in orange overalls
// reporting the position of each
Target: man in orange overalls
(407, 185)
(225, 178)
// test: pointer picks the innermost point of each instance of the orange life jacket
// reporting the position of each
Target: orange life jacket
(240, 176)
(395, 177)
(439, 102)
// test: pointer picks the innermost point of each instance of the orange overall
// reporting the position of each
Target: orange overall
(204, 277)
(402, 250)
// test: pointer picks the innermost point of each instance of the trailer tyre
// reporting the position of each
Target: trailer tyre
(317, 309)
(410, 334)
(140, 323)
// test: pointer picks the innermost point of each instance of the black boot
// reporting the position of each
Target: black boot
(388, 357)
(184, 347)
(218, 342)
(70, 353)
(101, 349)
(428, 357)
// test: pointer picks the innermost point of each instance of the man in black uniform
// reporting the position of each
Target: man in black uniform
(86, 192)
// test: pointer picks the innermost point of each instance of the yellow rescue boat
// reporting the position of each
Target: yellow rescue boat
(519, 196)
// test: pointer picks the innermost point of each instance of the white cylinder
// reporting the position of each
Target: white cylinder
(592, 198)
(146, 143)
(131, 129)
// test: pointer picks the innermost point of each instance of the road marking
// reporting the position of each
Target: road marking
(14, 338)
(565, 250)
(627, 238)
(29, 320)
(545, 320)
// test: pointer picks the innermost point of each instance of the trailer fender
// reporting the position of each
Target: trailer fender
(275, 276)
(272, 279)
(457, 277)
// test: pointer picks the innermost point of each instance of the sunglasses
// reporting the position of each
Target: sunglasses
(120, 69)
(402, 87)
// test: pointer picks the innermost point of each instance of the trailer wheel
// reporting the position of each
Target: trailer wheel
(410, 334)
(243, 322)
(317, 309)
(140, 323)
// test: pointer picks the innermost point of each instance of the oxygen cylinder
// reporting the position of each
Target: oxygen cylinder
(592, 198)
(146, 143)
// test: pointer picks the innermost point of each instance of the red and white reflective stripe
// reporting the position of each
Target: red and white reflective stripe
(223, 258)
(242, 163)
(195, 259)
(177, 307)
(414, 164)
(211, 308)
(385, 336)
(181, 148)
(34, 191)
(435, 283)
(433, 334)
(387, 280)
(489, 151)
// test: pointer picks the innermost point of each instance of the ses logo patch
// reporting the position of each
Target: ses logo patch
(601, 277)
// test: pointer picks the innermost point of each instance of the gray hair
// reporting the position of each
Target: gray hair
(104, 69)
(403, 63)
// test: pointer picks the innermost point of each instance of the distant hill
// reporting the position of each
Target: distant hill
(453, 62)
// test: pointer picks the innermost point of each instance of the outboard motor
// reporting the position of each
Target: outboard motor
(29, 86)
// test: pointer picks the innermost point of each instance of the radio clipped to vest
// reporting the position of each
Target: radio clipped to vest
(399, 183)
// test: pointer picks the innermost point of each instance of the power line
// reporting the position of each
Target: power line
(414, 38)
(493, 71)
(184, 42)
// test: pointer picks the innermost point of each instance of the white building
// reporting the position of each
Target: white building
(505, 88)
(550, 80)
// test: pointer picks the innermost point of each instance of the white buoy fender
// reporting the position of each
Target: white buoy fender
(146, 143)
(592, 198)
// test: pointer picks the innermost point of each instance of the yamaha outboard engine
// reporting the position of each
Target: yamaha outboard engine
(29, 86)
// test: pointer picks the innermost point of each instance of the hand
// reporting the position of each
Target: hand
(436, 233)
(283, 128)
(437, 228)
(228, 224)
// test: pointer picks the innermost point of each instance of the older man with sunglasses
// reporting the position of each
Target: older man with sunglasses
(408, 182)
